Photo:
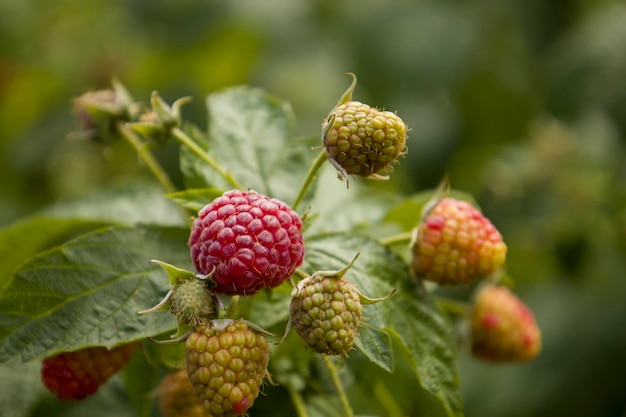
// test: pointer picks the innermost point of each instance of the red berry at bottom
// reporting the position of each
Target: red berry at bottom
(503, 327)
(77, 375)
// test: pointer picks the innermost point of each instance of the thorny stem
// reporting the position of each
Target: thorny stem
(458, 308)
(185, 140)
(334, 375)
(298, 402)
(147, 158)
(310, 176)
(399, 239)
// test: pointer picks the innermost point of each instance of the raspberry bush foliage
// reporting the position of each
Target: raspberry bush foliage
(304, 240)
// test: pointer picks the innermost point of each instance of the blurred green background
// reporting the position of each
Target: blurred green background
(521, 103)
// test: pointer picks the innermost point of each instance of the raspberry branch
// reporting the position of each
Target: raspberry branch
(334, 376)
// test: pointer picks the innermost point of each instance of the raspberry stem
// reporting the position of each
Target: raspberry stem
(185, 140)
(146, 157)
(385, 398)
(310, 176)
(298, 402)
(334, 375)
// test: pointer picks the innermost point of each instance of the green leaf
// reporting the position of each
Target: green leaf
(87, 292)
(248, 136)
(196, 198)
(410, 318)
(335, 208)
(23, 390)
(121, 204)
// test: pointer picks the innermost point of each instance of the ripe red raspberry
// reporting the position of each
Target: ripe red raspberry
(177, 397)
(226, 363)
(77, 375)
(252, 241)
(456, 244)
(503, 327)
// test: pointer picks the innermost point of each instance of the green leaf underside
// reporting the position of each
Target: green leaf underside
(410, 318)
(248, 136)
(122, 204)
(87, 292)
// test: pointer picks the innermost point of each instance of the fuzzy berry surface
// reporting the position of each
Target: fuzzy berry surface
(456, 244)
(326, 313)
(252, 241)
(226, 363)
(177, 398)
(193, 302)
(363, 140)
(77, 375)
(503, 327)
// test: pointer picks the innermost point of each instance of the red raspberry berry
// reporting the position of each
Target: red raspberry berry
(250, 240)
(77, 375)
(456, 244)
(503, 327)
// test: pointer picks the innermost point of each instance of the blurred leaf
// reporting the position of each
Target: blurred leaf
(25, 388)
(248, 136)
(87, 292)
(125, 204)
(141, 380)
(410, 317)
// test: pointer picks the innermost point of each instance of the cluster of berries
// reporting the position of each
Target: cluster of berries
(454, 245)
(243, 242)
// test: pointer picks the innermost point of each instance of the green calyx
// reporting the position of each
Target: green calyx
(190, 299)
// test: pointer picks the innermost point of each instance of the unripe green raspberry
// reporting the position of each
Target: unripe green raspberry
(456, 244)
(361, 140)
(177, 397)
(192, 302)
(326, 313)
(503, 327)
(226, 364)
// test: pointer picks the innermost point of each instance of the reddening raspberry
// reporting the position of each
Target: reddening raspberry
(77, 375)
(252, 241)
(177, 398)
(456, 244)
(226, 363)
(503, 327)
(363, 140)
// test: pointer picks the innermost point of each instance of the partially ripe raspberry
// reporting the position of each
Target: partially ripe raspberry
(326, 313)
(456, 244)
(252, 241)
(77, 375)
(226, 364)
(503, 327)
(177, 397)
(361, 140)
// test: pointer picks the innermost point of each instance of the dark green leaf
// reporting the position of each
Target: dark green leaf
(122, 204)
(88, 291)
(248, 136)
